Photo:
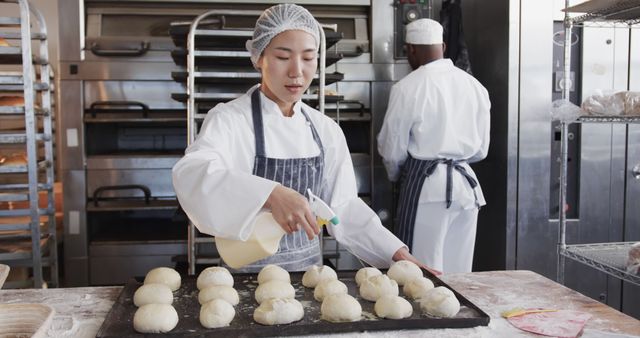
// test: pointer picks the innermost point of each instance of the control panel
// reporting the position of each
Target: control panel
(407, 11)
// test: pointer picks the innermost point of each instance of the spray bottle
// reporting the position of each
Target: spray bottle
(264, 241)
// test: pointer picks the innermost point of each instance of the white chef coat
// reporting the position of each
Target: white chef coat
(437, 111)
(216, 188)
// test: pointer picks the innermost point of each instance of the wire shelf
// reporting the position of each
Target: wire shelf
(610, 258)
(608, 119)
(625, 11)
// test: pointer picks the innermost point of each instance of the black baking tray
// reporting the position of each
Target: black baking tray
(119, 320)
(238, 58)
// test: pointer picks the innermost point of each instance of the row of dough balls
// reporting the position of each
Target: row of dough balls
(337, 305)
(276, 297)
(155, 314)
(384, 290)
(217, 297)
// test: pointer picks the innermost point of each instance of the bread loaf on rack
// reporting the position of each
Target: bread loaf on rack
(14, 159)
(633, 262)
(11, 101)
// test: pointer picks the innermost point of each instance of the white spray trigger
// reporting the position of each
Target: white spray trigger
(323, 212)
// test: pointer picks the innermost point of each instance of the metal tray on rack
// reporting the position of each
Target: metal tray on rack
(239, 76)
(214, 58)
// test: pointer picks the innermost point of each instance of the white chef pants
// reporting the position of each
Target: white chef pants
(443, 238)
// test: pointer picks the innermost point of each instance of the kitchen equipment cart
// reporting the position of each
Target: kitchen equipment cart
(27, 229)
(607, 257)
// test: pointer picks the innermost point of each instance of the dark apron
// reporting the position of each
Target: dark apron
(296, 252)
(414, 173)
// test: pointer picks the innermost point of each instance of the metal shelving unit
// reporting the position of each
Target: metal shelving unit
(606, 257)
(28, 231)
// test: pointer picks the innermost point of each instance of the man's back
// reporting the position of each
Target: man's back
(449, 112)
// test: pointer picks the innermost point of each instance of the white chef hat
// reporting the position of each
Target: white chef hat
(424, 32)
(277, 19)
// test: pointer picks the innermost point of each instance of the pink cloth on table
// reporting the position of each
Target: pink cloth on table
(562, 323)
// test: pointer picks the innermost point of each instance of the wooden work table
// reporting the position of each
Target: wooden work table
(80, 311)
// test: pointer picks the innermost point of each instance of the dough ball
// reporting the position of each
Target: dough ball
(271, 272)
(328, 287)
(278, 311)
(377, 286)
(167, 276)
(416, 288)
(364, 274)
(153, 293)
(633, 262)
(155, 318)
(216, 313)
(440, 302)
(393, 307)
(219, 292)
(340, 308)
(215, 275)
(315, 274)
(274, 289)
(404, 271)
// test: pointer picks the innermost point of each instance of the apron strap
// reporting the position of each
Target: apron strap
(258, 126)
(258, 130)
(451, 165)
(314, 132)
(414, 175)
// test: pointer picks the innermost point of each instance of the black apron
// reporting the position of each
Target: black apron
(296, 252)
(414, 173)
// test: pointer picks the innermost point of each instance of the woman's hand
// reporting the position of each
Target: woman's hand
(403, 254)
(291, 210)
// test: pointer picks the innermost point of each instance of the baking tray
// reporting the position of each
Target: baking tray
(119, 320)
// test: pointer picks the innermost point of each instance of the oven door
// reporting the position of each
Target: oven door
(130, 33)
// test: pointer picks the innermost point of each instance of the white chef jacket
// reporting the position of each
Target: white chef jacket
(216, 188)
(437, 111)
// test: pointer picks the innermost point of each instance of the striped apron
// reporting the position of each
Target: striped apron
(414, 173)
(296, 252)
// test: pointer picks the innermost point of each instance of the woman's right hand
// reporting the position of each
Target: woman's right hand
(291, 210)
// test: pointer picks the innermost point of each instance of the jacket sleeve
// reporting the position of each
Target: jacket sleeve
(483, 122)
(219, 198)
(393, 139)
(360, 230)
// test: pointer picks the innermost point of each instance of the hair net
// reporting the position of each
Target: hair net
(277, 19)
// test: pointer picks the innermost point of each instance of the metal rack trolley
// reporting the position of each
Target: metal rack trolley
(20, 228)
(606, 257)
(193, 114)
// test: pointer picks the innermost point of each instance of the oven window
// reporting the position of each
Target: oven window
(136, 138)
(138, 25)
(137, 225)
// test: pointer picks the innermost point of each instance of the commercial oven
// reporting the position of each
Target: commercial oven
(123, 120)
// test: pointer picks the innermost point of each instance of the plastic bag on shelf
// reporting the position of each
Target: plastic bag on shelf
(633, 262)
(565, 111)
(632, 104)
(604, 104)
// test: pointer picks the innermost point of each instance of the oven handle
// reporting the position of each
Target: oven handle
(145, 108)
(143, 49)
(144, 189)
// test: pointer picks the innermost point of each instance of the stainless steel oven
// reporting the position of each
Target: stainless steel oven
(122, 93)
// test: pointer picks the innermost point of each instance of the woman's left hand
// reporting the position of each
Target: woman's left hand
(403, 254)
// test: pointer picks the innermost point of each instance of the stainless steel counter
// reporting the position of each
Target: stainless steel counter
(80, 311)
